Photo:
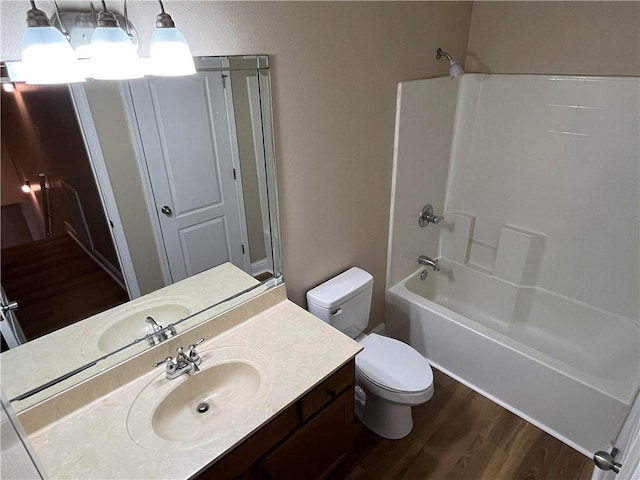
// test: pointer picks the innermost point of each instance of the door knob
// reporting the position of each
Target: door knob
(605, 460)
(166, 210)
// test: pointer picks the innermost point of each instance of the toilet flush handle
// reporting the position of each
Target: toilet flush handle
(336, 312)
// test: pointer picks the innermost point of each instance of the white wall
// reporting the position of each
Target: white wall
(424, 127)
(556, 156)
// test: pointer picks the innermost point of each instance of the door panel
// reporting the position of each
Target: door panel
(191, 141)
(205, 244)
(191, 169)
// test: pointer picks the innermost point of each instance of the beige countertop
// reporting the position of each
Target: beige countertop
(71, 347)
(92, 439)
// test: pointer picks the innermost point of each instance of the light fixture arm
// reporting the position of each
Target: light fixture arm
(105, 18)
(62, 29)
(36, 17)
(164, 20)
(126, 21)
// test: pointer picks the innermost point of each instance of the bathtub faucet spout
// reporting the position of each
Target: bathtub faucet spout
(423, 260)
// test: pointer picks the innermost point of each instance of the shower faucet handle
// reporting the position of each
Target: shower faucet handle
(426, 216)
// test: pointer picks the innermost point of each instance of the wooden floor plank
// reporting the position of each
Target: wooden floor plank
(459, 434)
(537, 463)
(358, 473)
(570, 464)
(505, 429)
(481, 460)
(56, 283)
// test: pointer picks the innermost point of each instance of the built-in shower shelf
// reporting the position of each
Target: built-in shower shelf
(516, 258)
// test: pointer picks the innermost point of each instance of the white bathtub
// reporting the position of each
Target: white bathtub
(564, 366)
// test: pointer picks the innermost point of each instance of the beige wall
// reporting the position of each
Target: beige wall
(335, 69)
(584, 38)
(248, 166)
(111, 124)
(10, 187)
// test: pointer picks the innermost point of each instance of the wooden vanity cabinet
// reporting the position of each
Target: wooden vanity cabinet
(305, 441)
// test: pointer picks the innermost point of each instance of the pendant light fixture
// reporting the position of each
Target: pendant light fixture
(113, 54)
(47, 56)
(169, 52)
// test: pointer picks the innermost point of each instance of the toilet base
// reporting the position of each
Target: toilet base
(389, 420)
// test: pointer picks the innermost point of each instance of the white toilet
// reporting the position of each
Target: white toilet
(393, 375)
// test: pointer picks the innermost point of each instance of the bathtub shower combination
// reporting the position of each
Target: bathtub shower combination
(536, 303)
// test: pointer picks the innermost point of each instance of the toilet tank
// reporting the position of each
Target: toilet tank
(344, 301)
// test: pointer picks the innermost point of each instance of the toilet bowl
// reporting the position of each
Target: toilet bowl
(391, 373)
(395, 377)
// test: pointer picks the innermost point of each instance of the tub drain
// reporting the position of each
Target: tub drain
(203, 407)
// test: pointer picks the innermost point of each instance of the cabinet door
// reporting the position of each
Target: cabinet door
(316, 448)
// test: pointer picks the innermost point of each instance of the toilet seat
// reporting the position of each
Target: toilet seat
(393, 365)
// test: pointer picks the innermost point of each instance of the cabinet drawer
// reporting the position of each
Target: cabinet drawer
(326, 391)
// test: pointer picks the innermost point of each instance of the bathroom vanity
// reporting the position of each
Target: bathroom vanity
(307, 440)
(273, 394)
(278, 387)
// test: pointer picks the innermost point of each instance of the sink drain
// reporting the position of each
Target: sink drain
(203, 407)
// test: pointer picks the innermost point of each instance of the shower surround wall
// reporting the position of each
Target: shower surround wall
(542, 200)
(547, 161)
(558, 157)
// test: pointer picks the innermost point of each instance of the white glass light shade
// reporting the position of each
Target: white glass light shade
(113, 55)
(169, 53)
(47, 57)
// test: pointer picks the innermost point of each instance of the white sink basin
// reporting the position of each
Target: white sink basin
(128, 323)
(195, 409)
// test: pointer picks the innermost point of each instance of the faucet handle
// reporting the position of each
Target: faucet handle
(168, 362)
(194, 356)
(163, 362)
(179, 353)
(170, 367)
(426, 216)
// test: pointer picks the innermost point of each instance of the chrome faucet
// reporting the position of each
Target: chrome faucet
(183, 363)
(426, 216)
(151, 321)
(423, 260)
(159, 334)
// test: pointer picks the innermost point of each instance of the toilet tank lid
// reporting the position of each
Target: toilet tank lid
(340, 288)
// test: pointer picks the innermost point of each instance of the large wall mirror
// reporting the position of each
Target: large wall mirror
(112, 191)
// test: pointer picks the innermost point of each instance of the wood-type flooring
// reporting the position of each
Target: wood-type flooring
(459, 434)
(55, 284)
